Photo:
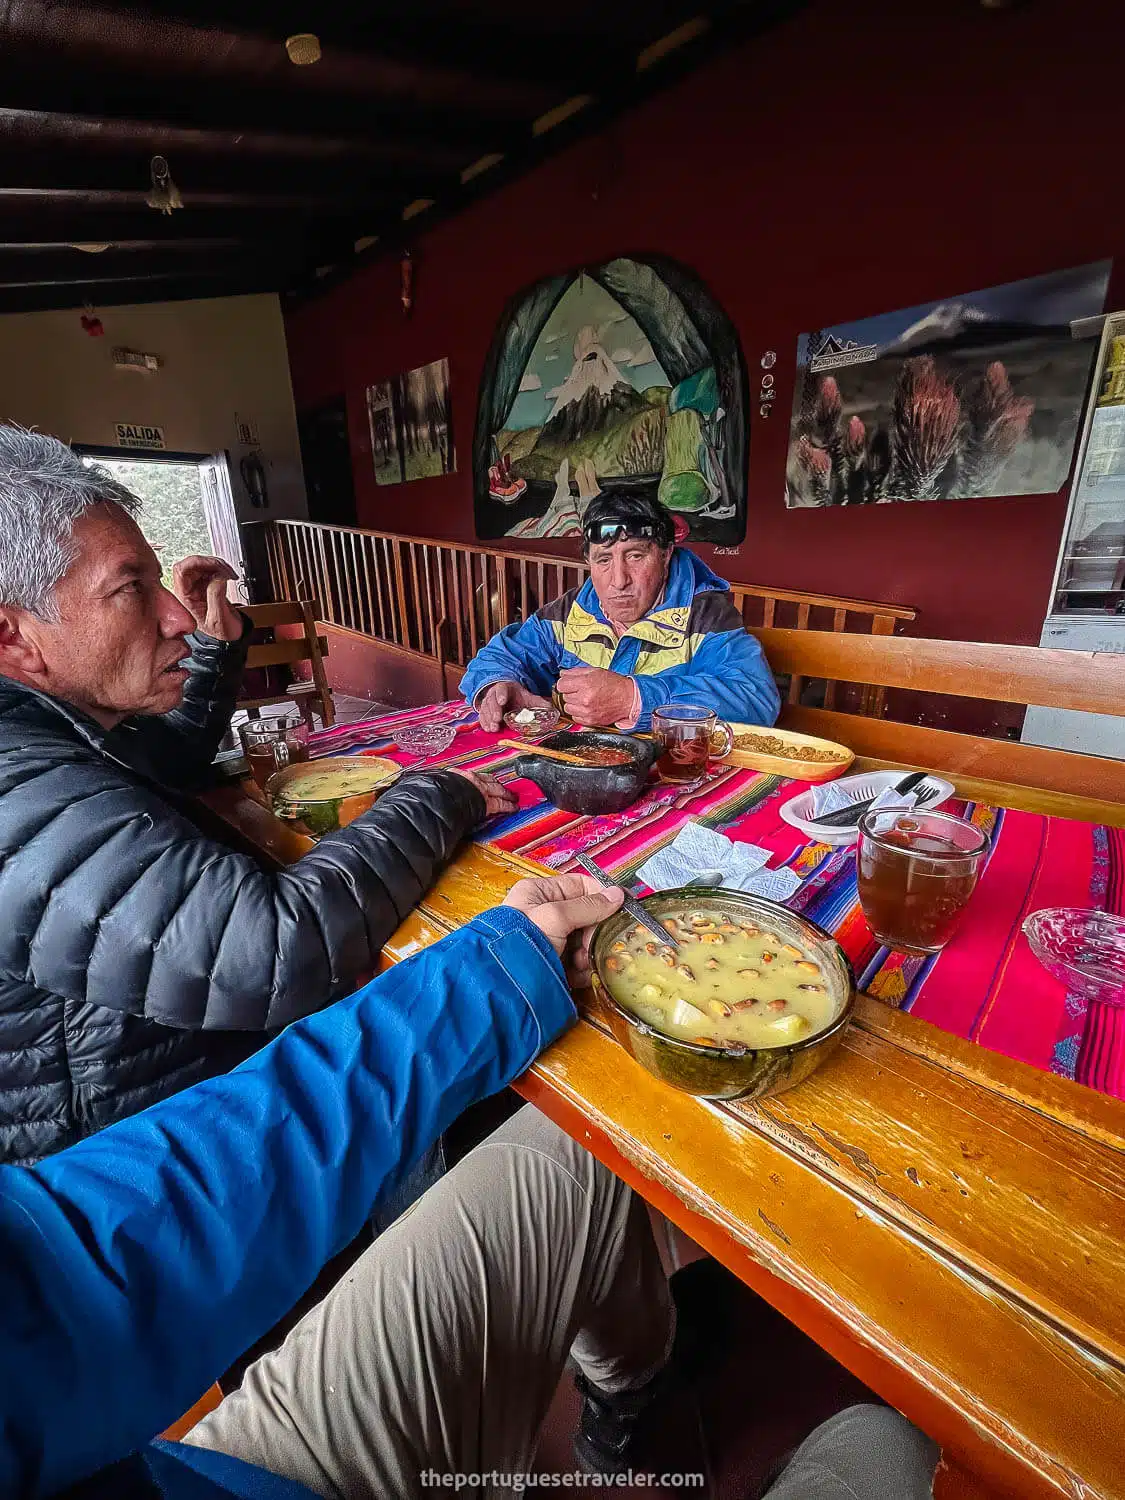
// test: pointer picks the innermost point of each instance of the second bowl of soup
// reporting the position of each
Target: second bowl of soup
(331, 793)
(751, 1002)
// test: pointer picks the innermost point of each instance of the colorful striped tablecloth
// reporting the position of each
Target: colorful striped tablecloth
(986, 985)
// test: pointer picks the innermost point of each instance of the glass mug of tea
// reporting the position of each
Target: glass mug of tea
(269, 744)
(916, 872)
(688, 736)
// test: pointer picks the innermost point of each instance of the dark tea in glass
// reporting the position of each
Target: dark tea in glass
(270, 744)
(916, 872)
(689, 736)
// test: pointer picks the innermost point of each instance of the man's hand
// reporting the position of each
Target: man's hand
(200, 583)
(497, 797)
(591, 695)
(566, 909)
(501, 697)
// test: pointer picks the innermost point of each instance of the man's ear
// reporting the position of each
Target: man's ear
(19, 654)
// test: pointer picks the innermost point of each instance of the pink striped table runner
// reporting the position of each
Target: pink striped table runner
(986, 986)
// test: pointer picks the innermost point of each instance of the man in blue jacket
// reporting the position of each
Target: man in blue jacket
(652, 625)
(137, 1264)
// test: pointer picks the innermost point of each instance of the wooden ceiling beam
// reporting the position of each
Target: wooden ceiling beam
(127, 200)
(202, 246)
(115, 294)
(35, 220)
(64, 264)
(438, 138)
(201, 180)
(107, 133)
(61, 33)
(553, 44)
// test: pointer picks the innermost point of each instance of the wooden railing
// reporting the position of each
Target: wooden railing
(445, 599)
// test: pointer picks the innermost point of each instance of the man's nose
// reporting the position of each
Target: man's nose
(175, 619)
(619, 575)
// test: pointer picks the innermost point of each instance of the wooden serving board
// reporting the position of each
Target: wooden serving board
(783, 765)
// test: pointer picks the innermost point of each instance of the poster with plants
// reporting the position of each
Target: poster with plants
(976, 396)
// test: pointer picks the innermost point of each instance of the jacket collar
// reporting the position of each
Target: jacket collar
(17, 700)
(666, 623)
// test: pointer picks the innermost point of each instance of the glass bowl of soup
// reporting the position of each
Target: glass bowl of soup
(331, 793)
(751, 1002)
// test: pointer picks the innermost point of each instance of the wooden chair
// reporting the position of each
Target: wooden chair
(312, 648)
(1086, 681)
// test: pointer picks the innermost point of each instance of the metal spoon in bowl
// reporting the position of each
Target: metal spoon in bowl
(630, 904)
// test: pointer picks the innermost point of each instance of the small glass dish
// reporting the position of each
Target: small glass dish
(1085, 950)
(542, 721)
(426, 739)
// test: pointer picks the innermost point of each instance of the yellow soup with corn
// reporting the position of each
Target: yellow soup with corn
(323, 784)
(731, 982)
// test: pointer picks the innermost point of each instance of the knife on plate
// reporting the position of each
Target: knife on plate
(630, 904)
(843, 817)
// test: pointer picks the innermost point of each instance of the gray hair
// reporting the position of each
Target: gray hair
(44, 489)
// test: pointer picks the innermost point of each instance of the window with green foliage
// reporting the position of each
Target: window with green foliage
(172, 515)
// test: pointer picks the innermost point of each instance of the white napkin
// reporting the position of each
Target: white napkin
(696, 849)
(831, 797)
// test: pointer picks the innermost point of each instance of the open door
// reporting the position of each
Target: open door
(222, 519)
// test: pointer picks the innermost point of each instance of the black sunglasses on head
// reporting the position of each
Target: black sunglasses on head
(607, 532)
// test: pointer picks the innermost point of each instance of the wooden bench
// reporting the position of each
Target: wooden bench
(1085, 681)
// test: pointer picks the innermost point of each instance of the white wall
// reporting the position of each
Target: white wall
(222, 356)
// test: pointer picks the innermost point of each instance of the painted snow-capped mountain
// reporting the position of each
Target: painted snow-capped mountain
(593, 394)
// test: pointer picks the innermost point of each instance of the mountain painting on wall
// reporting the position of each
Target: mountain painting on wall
(969, 398)
(623, 376)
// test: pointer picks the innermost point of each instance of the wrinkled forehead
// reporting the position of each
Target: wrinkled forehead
(601, 553)
(109, 548)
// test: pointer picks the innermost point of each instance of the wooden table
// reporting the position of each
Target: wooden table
(948, 1223)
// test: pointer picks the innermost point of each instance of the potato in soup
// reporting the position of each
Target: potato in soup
(731, 982)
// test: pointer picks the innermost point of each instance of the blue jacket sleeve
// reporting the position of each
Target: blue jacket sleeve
(529, 654)
(137, 1265)
(728, 673)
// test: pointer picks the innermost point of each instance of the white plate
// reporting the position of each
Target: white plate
(797, 811)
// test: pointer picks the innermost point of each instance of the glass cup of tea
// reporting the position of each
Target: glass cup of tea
(917, 871)
(269, 744)
(688, 736)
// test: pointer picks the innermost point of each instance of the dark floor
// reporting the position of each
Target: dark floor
(350, 710)
(757, 1402)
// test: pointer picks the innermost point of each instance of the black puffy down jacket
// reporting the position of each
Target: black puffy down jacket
(135, 952)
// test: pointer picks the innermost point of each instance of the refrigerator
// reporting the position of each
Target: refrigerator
(1087, 609)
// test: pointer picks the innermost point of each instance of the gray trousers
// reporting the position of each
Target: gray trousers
(442, 1347)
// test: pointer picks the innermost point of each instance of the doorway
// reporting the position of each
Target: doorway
(187, 506)
(326, 458)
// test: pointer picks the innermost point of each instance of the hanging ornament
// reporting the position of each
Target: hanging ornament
(164, 195)
(406, 283)
(91, 323)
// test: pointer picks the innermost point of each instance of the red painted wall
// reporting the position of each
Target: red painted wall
(857, 159)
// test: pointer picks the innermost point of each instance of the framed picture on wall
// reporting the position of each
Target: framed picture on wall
(968, 398)
(411, 419)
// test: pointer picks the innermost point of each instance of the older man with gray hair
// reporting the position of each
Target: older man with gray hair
(137, 955)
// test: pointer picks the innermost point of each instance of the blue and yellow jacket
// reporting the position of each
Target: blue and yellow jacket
(691, 648)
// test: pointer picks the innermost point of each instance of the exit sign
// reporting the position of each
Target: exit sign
(138, 435)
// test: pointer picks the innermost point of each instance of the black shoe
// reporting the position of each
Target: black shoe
(610, 1422)
(613, 1426)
